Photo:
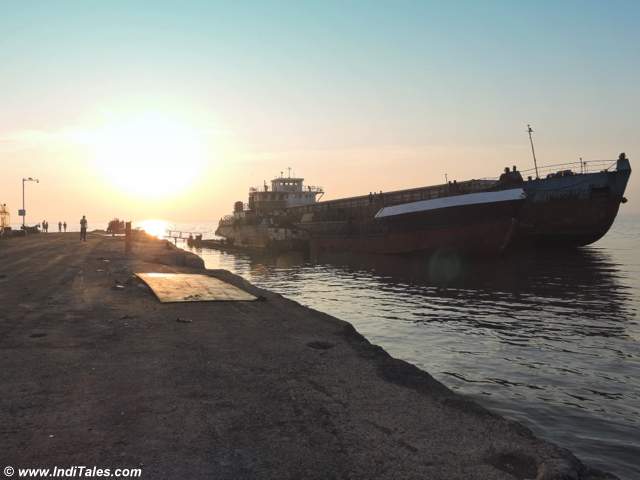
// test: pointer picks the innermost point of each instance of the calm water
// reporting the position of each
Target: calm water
(548, 339)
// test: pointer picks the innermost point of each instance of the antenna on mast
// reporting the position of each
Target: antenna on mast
(289, 168)
(533, 151)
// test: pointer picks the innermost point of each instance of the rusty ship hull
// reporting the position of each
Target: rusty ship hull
(262, 236)
(572, 210)
(482, 228)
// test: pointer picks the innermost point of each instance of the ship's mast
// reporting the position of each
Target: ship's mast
(533, 151)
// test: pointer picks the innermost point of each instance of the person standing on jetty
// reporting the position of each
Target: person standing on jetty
(59, 227)
(83, 229)
(64, 225)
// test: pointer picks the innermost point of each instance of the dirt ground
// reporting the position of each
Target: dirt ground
(96, 372)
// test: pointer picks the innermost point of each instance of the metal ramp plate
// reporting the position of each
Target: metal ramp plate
(188, 287)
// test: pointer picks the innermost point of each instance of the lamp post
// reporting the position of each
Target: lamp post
(23, 212)
(535, 162)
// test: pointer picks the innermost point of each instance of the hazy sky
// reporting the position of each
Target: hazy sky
(173, 109)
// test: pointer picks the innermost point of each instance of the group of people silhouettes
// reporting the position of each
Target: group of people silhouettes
(63, 226)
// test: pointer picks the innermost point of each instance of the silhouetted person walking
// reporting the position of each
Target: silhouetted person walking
(64, 225)
(59, 227)
(83, 229)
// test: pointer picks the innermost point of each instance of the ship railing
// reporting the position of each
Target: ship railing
(261, 188)
(583, 166)
(401, 196)
(306, 188)
(266, 188)
(181, 234)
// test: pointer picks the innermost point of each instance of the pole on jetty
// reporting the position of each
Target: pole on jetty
(533, 151)
(127, 237)
(23, 212)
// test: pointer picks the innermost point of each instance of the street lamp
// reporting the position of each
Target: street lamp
(23, 212)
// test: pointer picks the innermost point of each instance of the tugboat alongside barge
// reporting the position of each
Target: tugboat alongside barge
(477, 217)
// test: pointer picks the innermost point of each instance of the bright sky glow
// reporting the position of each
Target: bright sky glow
(149, 155)
(172, 110)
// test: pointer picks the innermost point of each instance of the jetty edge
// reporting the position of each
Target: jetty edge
(97, 372)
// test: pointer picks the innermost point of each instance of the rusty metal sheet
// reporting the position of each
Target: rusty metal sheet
(187, 287)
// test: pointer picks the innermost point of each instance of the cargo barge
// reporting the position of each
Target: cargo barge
(565, 208)
(574, 204)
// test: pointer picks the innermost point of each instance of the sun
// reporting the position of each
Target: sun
(155, 227)
(149, 155)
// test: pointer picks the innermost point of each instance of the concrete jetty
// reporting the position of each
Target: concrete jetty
(97, 372)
